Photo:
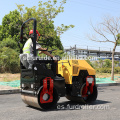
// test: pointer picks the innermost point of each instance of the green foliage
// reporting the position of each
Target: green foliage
(9, 42)
(100, 63)
(96, 64)
(116, 63)
(118, 39)
(57, 51)
(103, 70)
(45, 13)
(104, 66)
(1, 32)
(107, 63)
(117, 70)
(90, 63)
(11, 25)
(9, 60)
(108, 70)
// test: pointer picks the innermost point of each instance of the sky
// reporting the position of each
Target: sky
(79, 13)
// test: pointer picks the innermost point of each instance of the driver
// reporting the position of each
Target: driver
(28, 49)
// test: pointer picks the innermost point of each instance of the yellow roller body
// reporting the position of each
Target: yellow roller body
(69, 68)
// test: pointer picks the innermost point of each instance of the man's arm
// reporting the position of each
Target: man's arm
(46, 52)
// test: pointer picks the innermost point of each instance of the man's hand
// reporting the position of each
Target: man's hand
(44, 48)
(47, 53)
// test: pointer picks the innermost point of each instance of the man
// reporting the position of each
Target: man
(28, 49)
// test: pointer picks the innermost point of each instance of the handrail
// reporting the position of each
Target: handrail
(34, 34)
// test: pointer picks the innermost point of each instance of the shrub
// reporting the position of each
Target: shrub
(90, 63)
(107, 63)
(108, 70)
(103, 70)
(10, 43)
(9, 60)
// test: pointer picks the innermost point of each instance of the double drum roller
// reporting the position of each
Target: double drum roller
(40, 88)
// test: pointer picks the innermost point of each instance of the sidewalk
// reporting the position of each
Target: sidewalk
(8, 90)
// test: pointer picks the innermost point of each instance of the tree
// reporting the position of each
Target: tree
(45, 14)
(10, 27)
(100, 62)
(108, 31)
(0, 32)
(8, 42)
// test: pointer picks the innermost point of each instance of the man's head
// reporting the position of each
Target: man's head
(31, 33)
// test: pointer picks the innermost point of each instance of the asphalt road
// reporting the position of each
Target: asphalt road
(106, 107)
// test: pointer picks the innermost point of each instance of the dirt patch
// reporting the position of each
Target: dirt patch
(2, 87)
(6, 77)
(105, 75)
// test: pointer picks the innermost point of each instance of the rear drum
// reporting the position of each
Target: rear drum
(90, 98)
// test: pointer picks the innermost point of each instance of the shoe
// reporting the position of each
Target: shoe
(30, 66)
(58, 78)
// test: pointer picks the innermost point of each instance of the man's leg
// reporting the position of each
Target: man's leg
(30, 61)
(53, 67)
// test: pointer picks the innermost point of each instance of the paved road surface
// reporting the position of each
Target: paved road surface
(107, 107)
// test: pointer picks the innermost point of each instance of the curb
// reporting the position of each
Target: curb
(9, 91)
(14, 91)
(108, 84)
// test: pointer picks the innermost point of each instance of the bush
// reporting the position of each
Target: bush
(9, 60)
(108, 70)
(107, 63)
(90, 63)
(10, 43)
(103, 70)
(117, 69)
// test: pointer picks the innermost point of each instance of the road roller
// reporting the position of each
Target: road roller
(41, 88)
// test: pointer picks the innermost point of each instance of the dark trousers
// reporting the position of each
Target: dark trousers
(53, 67)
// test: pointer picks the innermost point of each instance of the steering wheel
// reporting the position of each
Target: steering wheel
(50, 51)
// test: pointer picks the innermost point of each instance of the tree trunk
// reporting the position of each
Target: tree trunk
(112, 71)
